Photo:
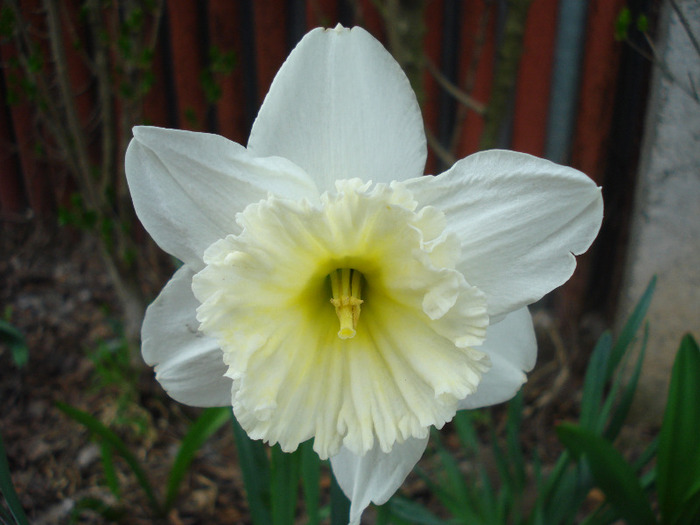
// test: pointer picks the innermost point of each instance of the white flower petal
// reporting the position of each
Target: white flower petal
(188, 364)
(512, 348)
(187, 187)
(520, 221)
(340, 107)
(374, 477)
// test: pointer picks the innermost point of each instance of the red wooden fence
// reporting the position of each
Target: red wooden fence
(260, 35)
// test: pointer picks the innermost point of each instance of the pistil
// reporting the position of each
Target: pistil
(346, 288)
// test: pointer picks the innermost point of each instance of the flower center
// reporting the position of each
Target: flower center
(346, 289)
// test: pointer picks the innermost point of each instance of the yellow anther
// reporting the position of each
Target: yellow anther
(346, 287)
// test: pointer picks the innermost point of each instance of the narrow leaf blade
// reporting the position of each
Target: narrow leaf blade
(678, 463)
(209, 421)
(255, 468)
(104, 433)
(611, 472)
(7, 488)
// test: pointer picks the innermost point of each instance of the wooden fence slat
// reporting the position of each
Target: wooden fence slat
(231, 117)
(597, 90)
(369, 17)
(534, 79)
(270, 42)
(480, 86)
(186, 42)
(36, 172)
(161, 95)
(432, 47)
(590, 146)
(321, 13)
(12, 193)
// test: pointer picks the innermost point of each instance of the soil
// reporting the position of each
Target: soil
(57, 293)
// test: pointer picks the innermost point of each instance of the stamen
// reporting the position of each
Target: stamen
(346, 288)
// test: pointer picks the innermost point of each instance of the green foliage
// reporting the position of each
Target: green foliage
(115, 374)
(272, 480)
(15, 512)
(77, 214)
(15, 340)
(221, 63)
(8, 22)
(678, 463)
(510, 488)
(622, 24)
(616, 478)
(110, 439)
(209, 421)
(677, 474)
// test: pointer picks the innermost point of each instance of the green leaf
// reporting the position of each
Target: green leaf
(515, 451)
(209, 421)
(625, 402)
(255, 466)
(7, 22)
(17, 343)
(413, 512)
(109, 470)
(340, 504)
(642, 23)
(629, 331)
(108, 512)
(612, 473)
(310, 480)
(689, 510)
(104, 433)
(678, 461)
(8, 489)
(594, 383)
(622, 24)
(284, 473)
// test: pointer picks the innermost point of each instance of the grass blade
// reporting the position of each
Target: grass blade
(612, 473)
(284, 473)
(7, 488)
(109, 470)
(17, 343)
(255, 466)
(594, 382)
(310, 481)
(105, 434)
(634, 322)
(209, 421)
(340, 504)
(625, 403)
(413, 512)
(678, 461)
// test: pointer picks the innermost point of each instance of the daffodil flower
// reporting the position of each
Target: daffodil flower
(329, 290)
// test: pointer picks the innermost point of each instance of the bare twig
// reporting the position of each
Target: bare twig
(442, 153)
(460, 96)
(76, 138)
(472, 68)
(506, 71)
(686, 26)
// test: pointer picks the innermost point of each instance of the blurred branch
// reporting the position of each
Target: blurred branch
(91, 140)
(463, 98)
(506, 72)
(441, 152)
(403, 20)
